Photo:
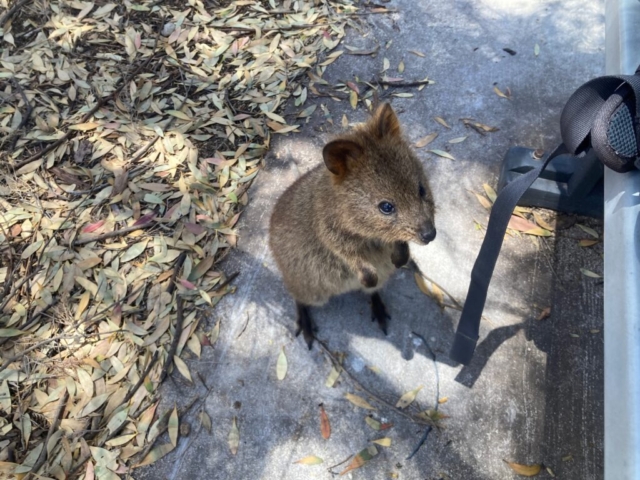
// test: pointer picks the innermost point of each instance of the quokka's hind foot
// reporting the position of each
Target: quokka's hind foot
(306, 325)
(379, 312)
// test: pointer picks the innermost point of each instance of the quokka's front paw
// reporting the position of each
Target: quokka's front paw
(400, 254)
(368, 277)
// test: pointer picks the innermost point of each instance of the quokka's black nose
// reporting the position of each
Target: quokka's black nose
(427, 234)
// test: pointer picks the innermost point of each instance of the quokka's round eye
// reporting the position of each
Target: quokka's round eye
(421, 190)
(386, 208)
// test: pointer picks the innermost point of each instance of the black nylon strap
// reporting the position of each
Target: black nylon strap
(575, 124)
(466, 337)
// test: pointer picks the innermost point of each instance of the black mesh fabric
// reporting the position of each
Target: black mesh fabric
(621, 135)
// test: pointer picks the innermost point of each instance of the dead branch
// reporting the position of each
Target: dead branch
(175, 340)
(146, 372)
(115, 233)
(25, 118)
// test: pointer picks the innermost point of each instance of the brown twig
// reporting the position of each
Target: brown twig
(122, 83)
(176, 268)
(135, 388)
(337, 465)
(25, 117)
(17, 287)
(266, 30)
(176, 339)
(359, 386)
(54, 426)
(115, 233)
(402, 84)
(178, 331)
(12, 11)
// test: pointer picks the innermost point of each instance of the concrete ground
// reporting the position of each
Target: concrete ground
(534, 391)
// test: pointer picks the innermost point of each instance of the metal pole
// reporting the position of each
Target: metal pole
(622, 272)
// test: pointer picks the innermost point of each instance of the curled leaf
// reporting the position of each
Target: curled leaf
(524, 470)
(359, 401)
(408, 398)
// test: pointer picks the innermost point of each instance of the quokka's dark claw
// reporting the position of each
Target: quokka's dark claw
(306, 325)
(379, 312)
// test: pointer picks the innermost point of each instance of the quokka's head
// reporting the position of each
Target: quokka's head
(381, 187)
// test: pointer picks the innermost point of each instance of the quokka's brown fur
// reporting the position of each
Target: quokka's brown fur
(330, 231)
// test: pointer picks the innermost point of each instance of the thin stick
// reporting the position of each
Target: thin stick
(86, 117)
(176, 339)
(133, 391)
(54, 426)
(358, 385)
(17, 287)
(176, 268)
(115, 233)
(25, 117)
(266, 30)
(338, 464)
(403, 84)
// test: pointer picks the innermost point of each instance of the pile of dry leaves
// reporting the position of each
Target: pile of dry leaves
(129, 132)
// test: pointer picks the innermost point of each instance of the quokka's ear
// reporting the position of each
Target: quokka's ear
(339, 156)
(385, 123)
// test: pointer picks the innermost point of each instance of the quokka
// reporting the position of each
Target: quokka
(345, 225)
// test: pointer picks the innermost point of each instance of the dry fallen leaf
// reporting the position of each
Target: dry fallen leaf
(589, 273)
(520, 224)
(544, 314)
(441, 121)
(424, 141)
(501, 94)
(385, 441)
(281, 365)
(524, 470)
(359, 401)
(373, 423)
(588, 230)
(310, 460)
(483, 201)
(491, 193)
(540, 221)
(325, 426)
(588, 242)
(173, 427)
(333, 376)
(442, 153)
(234, 437)
(360, 459)
(408, 398)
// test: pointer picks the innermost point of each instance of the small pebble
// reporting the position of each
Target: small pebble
(168, 29)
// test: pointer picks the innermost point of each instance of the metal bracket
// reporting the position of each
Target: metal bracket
(568, 184)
